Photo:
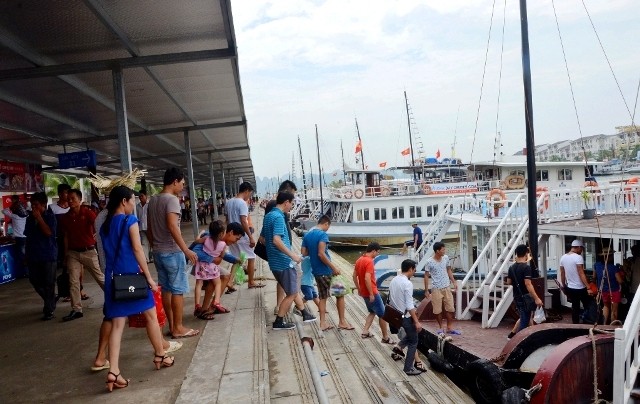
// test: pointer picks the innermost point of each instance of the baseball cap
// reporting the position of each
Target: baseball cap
(412, 223)
(577, 243)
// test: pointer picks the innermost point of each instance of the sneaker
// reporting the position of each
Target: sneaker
(73, 315)
(511, 334)
(308, 317)
(282, 325)
(413, 372)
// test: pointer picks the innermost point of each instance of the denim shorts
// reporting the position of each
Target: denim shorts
(377, 307)
(309, 292)
(171, 269)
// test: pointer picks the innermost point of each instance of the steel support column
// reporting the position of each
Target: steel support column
(213, 188)
(224, 186)
(121, 119)
(192, 188)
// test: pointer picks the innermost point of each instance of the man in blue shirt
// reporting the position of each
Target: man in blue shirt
(283, 260)
(315, 244)
(416, 241)
(42, 252)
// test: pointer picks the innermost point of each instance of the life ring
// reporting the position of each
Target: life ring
(497, 202)
(358, 193)
(426, 189)
(539, 192)
(590, 184)
(514, 182)
(386, 191)
(633, 180)
(348, 195)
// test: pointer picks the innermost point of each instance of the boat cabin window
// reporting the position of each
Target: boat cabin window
(397, 213)
(564, 174)
(432, 210)
(380, 213)
(415, 211)
(517, 172)
(362, 214)
(542, 175)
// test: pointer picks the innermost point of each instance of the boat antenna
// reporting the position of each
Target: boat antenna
(344, 174)
(530, 143)
(320, 171)
(406, 102)
(360, 143)
(304, 177)
(455, 133)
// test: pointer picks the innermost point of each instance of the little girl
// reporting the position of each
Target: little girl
(210, 250)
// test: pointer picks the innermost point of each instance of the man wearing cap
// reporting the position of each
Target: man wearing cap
(416, 241)
(574, 281)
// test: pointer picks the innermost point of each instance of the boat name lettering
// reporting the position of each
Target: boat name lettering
(460, 187)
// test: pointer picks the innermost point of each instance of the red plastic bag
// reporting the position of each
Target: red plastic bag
(139, 321)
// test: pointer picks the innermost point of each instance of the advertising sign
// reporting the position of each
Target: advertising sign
(452, 188)
(20, 177)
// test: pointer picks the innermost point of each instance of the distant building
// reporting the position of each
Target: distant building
(595, 146)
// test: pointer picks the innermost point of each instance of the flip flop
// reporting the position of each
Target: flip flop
(347, 328)
(327, 328)
(256, 286)
(84, 297)
(188, 334)
(230, 290)
(454, 332)
(106, 365)
(389, 341)
(367, 335)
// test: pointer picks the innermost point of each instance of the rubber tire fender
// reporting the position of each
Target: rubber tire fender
(513, 395)
(485, 381)
(439, 364)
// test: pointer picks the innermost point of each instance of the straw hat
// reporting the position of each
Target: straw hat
(105, 185)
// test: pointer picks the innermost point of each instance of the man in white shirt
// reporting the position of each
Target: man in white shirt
(141, 211)
(238, 212)
(401, 298)
(574, 281)
(18, 215)
(439, 270)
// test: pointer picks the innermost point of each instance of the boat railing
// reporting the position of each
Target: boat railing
(626, 361)
(483, 270)
(567, 204)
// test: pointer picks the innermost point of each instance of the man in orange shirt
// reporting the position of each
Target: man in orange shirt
(364, 278)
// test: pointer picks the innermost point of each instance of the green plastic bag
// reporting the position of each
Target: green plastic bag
(340, 286)
(239, 276)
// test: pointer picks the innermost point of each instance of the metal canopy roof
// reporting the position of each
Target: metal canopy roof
(180, 74)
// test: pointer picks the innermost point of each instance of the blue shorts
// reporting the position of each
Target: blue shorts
(377, 307)
(288, 280)
(309, 292)
(171, 269)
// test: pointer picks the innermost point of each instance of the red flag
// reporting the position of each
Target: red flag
(383, 164)
(438, 154)
(406, 152)
(358, 147)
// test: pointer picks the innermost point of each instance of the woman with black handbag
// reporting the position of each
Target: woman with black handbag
(128, 283)
(524, 293)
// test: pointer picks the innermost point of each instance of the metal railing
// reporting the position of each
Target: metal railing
(626, 361)
(434, 232)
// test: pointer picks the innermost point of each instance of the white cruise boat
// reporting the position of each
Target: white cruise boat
(372, 208)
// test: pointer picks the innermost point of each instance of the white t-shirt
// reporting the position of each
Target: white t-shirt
(236, 207)
(570, 262)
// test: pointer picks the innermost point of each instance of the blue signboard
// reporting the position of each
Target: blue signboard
(77, 159)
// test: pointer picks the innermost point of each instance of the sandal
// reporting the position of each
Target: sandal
(218, 308)
(230, 290)
(420, 366)
(206, 315)
(163, 361)
(398, 351)
(114, 383)
(197, 310)
(388, 340)
(367, 335)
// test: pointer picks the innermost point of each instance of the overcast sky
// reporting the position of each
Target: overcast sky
(308, 62)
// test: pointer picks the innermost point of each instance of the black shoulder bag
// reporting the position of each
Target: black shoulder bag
(529, 303)
(127, 287)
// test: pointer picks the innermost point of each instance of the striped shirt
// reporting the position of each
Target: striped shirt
(274, 224)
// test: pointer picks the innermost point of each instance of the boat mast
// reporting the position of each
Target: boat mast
(344, 173)
(320, 171)
(360, 143)
(530, 144)
(406, 102)
(304, 177)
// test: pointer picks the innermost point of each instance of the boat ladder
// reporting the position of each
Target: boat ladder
(434, 232)
(483, 287)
